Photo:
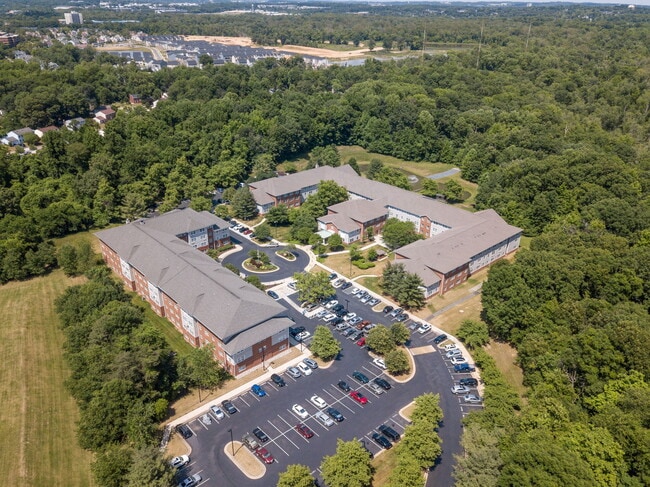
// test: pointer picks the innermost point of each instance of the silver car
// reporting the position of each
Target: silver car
(294, 372)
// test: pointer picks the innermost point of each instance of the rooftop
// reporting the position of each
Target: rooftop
(177, 222)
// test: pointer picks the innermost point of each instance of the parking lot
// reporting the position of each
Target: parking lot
(274, 415)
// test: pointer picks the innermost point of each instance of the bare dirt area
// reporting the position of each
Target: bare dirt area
(229, 41)
(325, 53)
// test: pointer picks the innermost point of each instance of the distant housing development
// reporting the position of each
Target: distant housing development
(457, 242)
(160, 259)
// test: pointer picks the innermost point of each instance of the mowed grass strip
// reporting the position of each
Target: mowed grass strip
(38, 444)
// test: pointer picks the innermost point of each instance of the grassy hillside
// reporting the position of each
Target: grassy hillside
(38, 445)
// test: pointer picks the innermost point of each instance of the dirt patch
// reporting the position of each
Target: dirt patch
(177, 446)
(245, 460)
(229, 41)
(422, 350)
(326, 53)
(407, 411)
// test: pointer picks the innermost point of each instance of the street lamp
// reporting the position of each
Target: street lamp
(232, 443)
(263, 357)
(347, 302)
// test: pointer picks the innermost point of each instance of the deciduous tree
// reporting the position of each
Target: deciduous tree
(380, 340)
(296, 476)
(324, 345)
(397, 362)
(348, 467)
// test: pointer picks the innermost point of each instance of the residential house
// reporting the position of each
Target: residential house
(74, 123)
(104, 115)
(42, 131)
(16, 137)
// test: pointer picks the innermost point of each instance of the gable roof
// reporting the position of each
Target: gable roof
(178, 222)
(224, 303)
(360, 210)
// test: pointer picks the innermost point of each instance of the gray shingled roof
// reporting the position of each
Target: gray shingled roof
(224, 303)
(451, 249)
(360, 210)
(341, 222)
(177, 222)
(414, 266)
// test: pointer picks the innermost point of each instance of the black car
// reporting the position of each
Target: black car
(333, 276)
(295, 331)
(346, 285)
(383, 383)
(468, 381)
(336, 321)
(278, 381)
(360, 377)
(387, 309)
(389, 432)
(229, 407)
(338, 307)
(382, 441)
(440, 338)
(344, 386)
(260, 435)
(273, 294)
(184, 430)
(336, 416)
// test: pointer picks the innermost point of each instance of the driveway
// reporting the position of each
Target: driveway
(286, 268)
(274, 416)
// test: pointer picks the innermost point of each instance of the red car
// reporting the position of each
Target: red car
(264, 455)
(304, 430)
(360, 398)
(361, 341)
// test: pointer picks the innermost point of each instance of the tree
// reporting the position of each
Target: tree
(335, 242)
(222, 211)
(296, 476)
(67, 259)
(380, 340)
(400, 333)
(199, 369)
(352, 162)
(421, 442)
(474, 333)
(324, 156)
(258, 258)
(375, 168)
(397, 362)
(313, 286)
(243, 204)
(397, 233)
(393, 177)
(348, 467)
(324, 345)
(481, 460)
(263, 231)
(255, 281)
(150, 468)
(407, 473)
(409, 292)
(278, 215)
(427, 408)
(372, 254)
(329, 193)
(112, 465)
(453, 191)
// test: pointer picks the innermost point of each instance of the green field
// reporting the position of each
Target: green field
(38, 444)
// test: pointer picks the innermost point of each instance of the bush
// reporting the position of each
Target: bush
(363, 264)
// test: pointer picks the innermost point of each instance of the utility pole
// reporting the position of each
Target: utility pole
(478, 56)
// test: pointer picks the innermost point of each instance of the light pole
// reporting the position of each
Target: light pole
(263, 357)
(232, 443)
(347, 302)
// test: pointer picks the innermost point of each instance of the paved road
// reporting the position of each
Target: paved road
(273, 413)
(286, 268)
(444, 174)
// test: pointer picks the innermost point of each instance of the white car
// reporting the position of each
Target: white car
(355, 291)
(205, 419)
(318, 401)
(324, 418)
(454, 353)
(321, 313)
(302, 336)
(331, 304)
(424, 328)
(329, 317)
(449, 347)
(216, 410)
(304, 368)
(180, 461)
(379, 362)
(459, 389)
(458, 360)
(300, 411)
(349, 316)
(191, 481)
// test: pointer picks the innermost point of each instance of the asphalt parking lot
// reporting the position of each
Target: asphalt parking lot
(274, 415)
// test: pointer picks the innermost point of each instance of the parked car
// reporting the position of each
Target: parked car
(389, 432)
(324, 419)
(382, 441)
(341, 326)
(344, 386)
(440, 339)
(331, 304)
(206, 419)
(218, 413)
(346, 285)
(355, 336)
(459, 359)
(387, 309)
(273, 294)
(338, 282)
(258, 391)
(379, 362)
(459, 389)
(302, 336)
(300, 411)
(294, 331)
(320, 314)
(424, 328)
(250, 442)
(361, 341)
(468, 381)
(464, 368)
(304, 368)
(304, 430)
(472, 398)
(318, 401)
(349, 316)
(401, 317)
(449, 347)
(292, 285)
(294, 372)
(278, 381)
(349, 331)
(373, 302)
(184, 430)
(355, 291)
(310, 363)
(333, 276)
(338, 307)
(263, 437)
(381, 382)
(179, 461)
(229, 407)
(360, 377)
(359, 397)
(356, 320)
(264, 455)
(366, 298)
(453, 353)
(334, 413)
(191, 481)
(395, 312)
(376, 389)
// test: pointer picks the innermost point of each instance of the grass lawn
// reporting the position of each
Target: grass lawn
(38, 443)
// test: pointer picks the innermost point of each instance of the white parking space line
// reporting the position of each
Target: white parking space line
(201, 423)
(244, 400)
(291, 428)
